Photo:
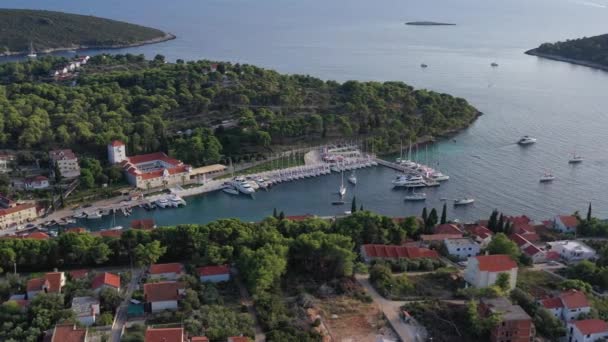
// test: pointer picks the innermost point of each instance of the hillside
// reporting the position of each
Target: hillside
(589, 51)
(49, 31)
(234, 110)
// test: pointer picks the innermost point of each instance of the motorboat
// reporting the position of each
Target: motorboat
(409, 181)
(243, 186)
(94, 215)
(337, 203)
(415, 197)
(423, 66)
(352, 179)
(116, 228)
(526, 140)
(342, 189)
(575, 159)
(547, 177)
(494, 64)
(176, 201)
(229, 189)
(464, 201)
(162, 202)
(438, 176)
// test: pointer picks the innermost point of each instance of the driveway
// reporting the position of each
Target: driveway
(121, 313)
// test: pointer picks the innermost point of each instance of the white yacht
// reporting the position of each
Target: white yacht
(575, 159)
(438, 176)
(32, 53)
(176, 201)
(243, 186)
(94, 215)
(342, 189)
(547, 177)
(415, 197)
(526, 140)
(464, 201)
(413, 181)
(162, 203)
(229, 189)
(352, 179)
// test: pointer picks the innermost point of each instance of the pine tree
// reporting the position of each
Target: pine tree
(444, 214)
(353, 205)
(361, 207)
(500, 226)
(432, 220)
(424, 216)
(274, 213)
(492, 220)
(281, 216)
(589, 213)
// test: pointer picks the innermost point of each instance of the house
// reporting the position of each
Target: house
(105, 281)
(207, 172)
(68, 333)
(573, 250)
(36, 183)
(536, 254)
(519, 240)
(170, 271)
(77, 230)
(568, 305)
(481, 234)
(163, 295)
(587, 330)
(447, 228)
(7, 159)
(86, 309)
(149, 170)
(37, 236)
(145, 224)
(393, 252)
(515, 324)
(12, 213)
(165, 335)
(214, 274)
(66, 162)
(52, 282)
(462, 248)
(565, 224)
(78, 274)
(239, 339)
(482, 271)
(427, 240)
(199, 339)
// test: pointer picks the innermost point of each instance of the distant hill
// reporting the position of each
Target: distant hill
(49, 31)
(589, 51)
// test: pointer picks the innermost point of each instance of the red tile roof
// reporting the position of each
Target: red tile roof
(552, 255)
(395, 252)
(162, 291)
(166, 268)
(116, 143)
(574, 299)
(159, 173)
(78, 274)
(35, 284)
(552, 303)
(109, 279)
(523, 228)
(143, 224)
(518, 220)
(569, 221)
(478, 230)
(439, 237)
(199, 339)
(532, 250)
(68, 333)
(62, 154)
(591, 326)
(37, 236)
(213, 270)
(164, 335)
(532, 237)
(299, 217)
(36, 179)
(495, 263)
(110, 233)
(150, 157)
(447, 228)
(78, 230)
(52, 280)
(519, 240)
(19, 207)
(238, 339)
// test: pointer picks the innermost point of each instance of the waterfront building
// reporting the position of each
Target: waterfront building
(481, 234)
(573, 250)
(206, 172)
(163, 295)
(36, 183)
(515, 324)
(86, 309)
(462, 248)
(117, 152)
(482, 271)
(447, 228)
(12, 214)
(52, 282)
(587, 330)
(394, 252)
(155, 170)
(565, 224)
(214, 274)
(66, 161)
(68, 332)
(568, 305)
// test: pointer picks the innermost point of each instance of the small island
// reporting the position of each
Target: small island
(428, 23)
(588, 51)
(48, 31)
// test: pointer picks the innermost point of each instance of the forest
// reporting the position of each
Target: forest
(587, 49)
(47, 30)
(203, 112)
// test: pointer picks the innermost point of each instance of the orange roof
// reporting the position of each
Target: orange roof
(174, 267)
(51, 280)
(591, 326)
(478, 230)
(532, 237)
(299, 217)
(105, 278)
(164, 335)
(116, 143)
(447, 228)
(199, 339)
(213, 270)
(159, 173)
(37, 236)
(143, 224)
(518, 220)
(162, 291)
(495, 263)
(238, 339)
(146, 158)
(569, 221)
(439, 237)
(574, 299)
(68, 333)
(519, 240)
(552, 303)
(78, 230)
(395, 252)
(35, 284)
(16, 208)
(532, 250)
(110, 233)
(78, 274)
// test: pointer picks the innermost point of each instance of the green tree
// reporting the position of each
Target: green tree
(353, 205)
(86, 179)
(589, 213)
(444, 214)
(149, 253)
(503, 281)
(501, 244)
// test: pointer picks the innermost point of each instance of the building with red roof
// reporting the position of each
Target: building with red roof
(163, 295)
(37, 236)
(565, 223)
(170, 271)
(77, 230)
(78, 274)
(52, 282)
(36, 183)
(165, 335)
(150, 170)
(518, 221)
(483, 271)
(239, 339)
(199, 339)
(568, 305)
(69, 333)
(105, 280)
(13, 214)
(515, 324)
(66, 162)
(519, 240)
(109, 233)
(214, 274)
(447, 228)
(427, 240)
(299, 218)
(146, 224)
(394, 252)
(587, 330)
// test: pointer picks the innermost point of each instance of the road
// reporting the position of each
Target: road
(406, 332)
(246, 300)
(121, 313)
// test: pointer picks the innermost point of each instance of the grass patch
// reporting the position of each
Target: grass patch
(531, 281)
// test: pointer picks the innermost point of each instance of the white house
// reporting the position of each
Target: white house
(587, 330)
(86, 309)
(573, 250)
(163, 295)
(214, 274)
(36, 183)
(170, 271)
(462, 248)
(565, 223)
(568, 305)
(117, 152)
(482, 271)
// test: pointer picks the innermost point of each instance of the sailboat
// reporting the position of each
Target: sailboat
(113, 225)
(32, 53)
(575, 159)
(352, 179)
(342, 190)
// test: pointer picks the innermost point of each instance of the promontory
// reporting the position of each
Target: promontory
(48, 31)
(587, 51)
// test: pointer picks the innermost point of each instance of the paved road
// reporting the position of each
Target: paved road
(121, 313)
(246, 300)
(406, 332)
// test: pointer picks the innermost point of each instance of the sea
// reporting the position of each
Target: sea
(564, 106)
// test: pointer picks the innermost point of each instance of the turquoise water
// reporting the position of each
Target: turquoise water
(563, 105)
